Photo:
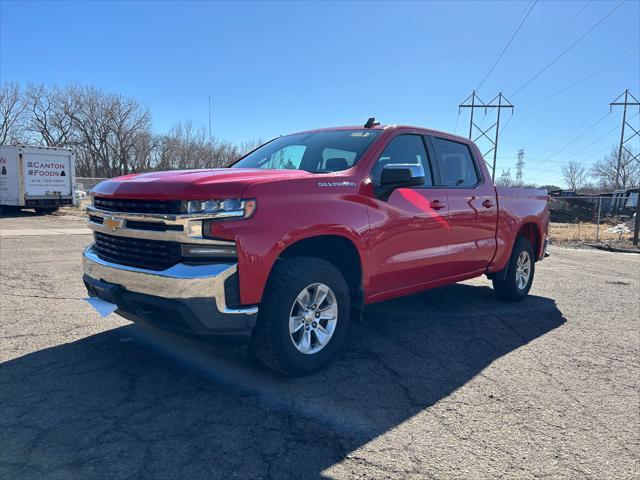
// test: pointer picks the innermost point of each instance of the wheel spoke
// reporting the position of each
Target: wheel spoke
(305, 342)
(295, 324)
(328, 306)
(304, 299)
(320, 294)
(321, 335)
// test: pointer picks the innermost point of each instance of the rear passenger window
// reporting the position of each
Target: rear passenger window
(404, 149)
(456, 165)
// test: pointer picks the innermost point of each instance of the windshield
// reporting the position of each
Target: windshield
(317, 152)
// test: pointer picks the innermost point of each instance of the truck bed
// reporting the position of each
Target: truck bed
(518, 207)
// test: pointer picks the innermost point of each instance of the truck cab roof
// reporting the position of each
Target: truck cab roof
(390, 128)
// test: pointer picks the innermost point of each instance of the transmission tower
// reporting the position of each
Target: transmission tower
(623, 141)
(520, 167)
(476, 102)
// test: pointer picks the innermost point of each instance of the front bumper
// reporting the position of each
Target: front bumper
(185, 298)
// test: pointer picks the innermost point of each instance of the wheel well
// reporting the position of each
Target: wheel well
(530, 232)
(334, 249)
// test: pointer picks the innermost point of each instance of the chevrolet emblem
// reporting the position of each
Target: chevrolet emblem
(113, 223)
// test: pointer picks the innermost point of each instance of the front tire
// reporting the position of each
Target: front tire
(519, 274)
(303, 318)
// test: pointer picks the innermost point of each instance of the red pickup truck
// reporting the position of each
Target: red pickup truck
(288, 245)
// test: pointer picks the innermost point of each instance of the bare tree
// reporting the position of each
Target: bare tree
(94, 120)
(247, 146)
(574, 174)
(129, 121)
(111, 134)
(49, 115)
(604, 171)
(11, 108)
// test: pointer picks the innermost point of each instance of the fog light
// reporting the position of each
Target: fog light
(212, 251)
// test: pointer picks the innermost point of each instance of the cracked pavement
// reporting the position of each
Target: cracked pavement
(450, 383)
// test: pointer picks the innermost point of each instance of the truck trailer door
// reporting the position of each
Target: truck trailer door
(47, 173)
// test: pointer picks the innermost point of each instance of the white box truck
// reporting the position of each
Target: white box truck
(36, 177)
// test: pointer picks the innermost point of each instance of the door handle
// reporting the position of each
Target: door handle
(438, 205)
(487, 204)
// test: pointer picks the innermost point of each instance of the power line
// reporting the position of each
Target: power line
(576, 138)
(455, 128)
(544, 69)
(558, 166)
(568, 87)
(571, 142)
(549, 43)
(504, 49)
(596, 140)
(554, 167)
(586, 77)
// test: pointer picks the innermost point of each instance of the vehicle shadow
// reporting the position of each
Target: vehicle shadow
(8, 212)
(133, 402)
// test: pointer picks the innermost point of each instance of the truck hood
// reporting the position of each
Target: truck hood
(191, 184)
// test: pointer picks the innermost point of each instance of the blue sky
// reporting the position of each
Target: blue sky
(278, 67)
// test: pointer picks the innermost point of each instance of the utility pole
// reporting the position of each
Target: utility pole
(520, 168)
(622, 148)
(476, 102)
(505, 178)
(623, 141)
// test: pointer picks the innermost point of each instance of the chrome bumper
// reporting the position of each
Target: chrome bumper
(199, 288)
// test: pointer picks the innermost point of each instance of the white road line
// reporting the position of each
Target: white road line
(38, 232)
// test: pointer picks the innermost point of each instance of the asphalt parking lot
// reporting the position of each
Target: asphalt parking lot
(446, 384)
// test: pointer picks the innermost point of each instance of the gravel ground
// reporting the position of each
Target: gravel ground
(446, 384)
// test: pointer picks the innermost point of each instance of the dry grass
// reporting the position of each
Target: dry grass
(585, 232)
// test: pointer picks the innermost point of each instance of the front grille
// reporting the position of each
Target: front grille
(138, 206)
(135, 252)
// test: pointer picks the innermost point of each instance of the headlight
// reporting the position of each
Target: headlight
(227, 208)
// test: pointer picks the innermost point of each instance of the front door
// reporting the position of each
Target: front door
(408, 235)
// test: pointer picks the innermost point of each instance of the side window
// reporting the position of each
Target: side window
(455, 163)
(288, 157)
(407, 149)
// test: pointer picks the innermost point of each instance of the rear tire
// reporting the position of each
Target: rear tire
(519, 273)
(295, 336)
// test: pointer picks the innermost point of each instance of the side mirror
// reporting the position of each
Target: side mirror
(398, 175)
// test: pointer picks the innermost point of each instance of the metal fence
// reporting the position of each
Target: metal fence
(87, 183)
(592, 220)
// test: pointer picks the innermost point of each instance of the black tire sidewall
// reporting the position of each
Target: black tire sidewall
(522, 244)
(281, 302)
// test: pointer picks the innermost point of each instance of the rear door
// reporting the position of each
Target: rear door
(472, 214)
(408, 234)
(47, 173)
